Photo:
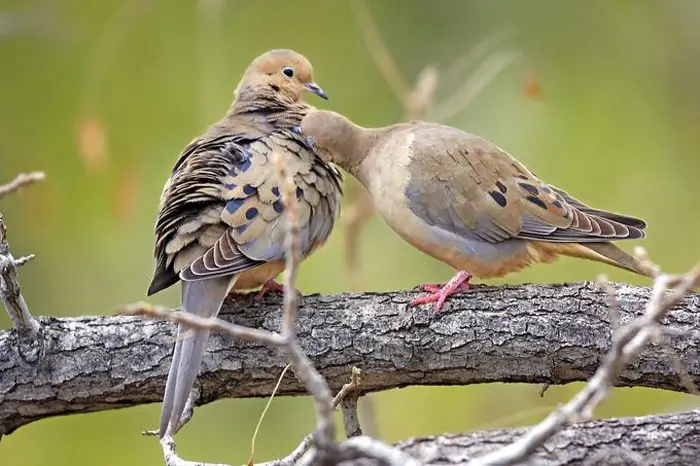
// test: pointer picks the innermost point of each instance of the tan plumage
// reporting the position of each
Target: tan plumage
(466, 202)
(221, 224)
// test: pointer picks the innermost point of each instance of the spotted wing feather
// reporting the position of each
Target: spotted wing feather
(466, 185)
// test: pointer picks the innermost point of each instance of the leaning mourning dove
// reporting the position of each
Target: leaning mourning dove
(466, 202)
(221, 225)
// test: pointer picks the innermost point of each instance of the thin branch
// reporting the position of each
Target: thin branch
(458, 68)
(172, 459)
(10, 291)
(381, 56)
(367, 447)
(482, 77)
(324, 437)
(203, 323)
(20, 181)
(347, 397)
(627, 344)
(292, 458)
(11, 294)
(351, 418)
(306, 443)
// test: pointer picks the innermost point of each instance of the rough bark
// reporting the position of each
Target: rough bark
(657, 440)
(534, 333)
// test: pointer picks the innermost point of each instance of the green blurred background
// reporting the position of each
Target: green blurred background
(102, 95)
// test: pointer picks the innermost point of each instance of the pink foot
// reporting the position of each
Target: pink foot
(439, 294)
(269, 285)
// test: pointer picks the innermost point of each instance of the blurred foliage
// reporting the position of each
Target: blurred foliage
(103, 95)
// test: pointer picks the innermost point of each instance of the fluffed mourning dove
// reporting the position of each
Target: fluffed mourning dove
(221, 224)
(466, 202)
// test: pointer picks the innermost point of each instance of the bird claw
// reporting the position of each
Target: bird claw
(440, 293)
(430, 287)
(269, 285)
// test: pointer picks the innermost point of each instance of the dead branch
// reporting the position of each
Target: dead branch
(20, 181)
(26, 326)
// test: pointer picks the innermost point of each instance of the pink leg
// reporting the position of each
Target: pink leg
(269, 285)
(439, 294)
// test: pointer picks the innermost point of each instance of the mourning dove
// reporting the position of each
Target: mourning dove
(466, 202)
(220, 225)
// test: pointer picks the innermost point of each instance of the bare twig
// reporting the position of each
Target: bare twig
(203, 323)
(292, 458)
(353, 385)
(347, 397)
(482, 77)
(367, 447)
(351, 418)
(324, 437)
(264, 412)
(306, 442)
(383, 59)
(458, 68)
(628, 342)
(10, 291)
(171, 458)
(20, 181)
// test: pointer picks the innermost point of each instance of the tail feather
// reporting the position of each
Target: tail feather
(613, 255)
(607, 253)
(202, 298)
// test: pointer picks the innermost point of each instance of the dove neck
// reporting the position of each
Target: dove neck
(250, 99)
(353, 148)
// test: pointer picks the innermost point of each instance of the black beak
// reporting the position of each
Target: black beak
(313, 88)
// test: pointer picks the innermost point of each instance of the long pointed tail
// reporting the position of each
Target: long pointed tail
(613, 255)
(606, 253)
(202, 298)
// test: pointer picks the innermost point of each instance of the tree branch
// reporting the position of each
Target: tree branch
(490, 334)
(26, 326)
(664, 439)
(20, 181)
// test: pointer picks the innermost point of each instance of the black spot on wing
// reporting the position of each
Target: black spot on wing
(529, 188)
(498, 197)
(251, 213)
(537, 201)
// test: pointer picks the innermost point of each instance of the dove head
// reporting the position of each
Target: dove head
(282, 74)
(336, 139)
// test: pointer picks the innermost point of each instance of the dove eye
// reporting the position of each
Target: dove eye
(288, 71)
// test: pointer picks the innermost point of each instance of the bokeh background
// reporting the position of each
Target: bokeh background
(601, 99)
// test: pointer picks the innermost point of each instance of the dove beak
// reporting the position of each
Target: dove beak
(314, 89)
